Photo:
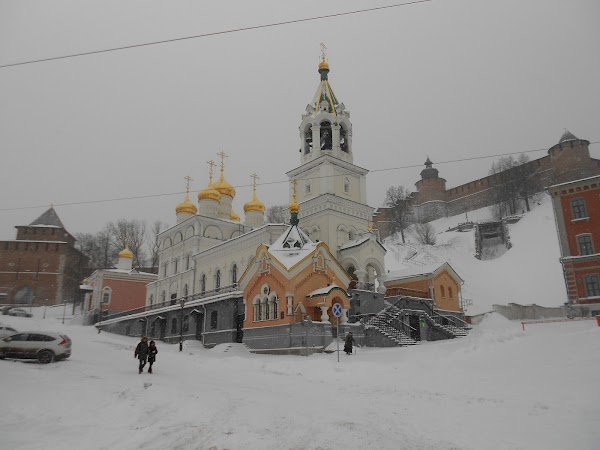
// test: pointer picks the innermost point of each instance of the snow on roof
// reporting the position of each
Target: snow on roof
(324, 291)
(424, 270)
(292, 247)
(354, 243)
(48, 218)
(566, 183)
(44, 226)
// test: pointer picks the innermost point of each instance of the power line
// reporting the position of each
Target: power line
(216, 33)
(269, 183)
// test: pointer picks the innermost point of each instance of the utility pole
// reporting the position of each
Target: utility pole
(64, 310)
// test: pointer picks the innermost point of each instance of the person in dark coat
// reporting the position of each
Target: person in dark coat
(141, 352)
(152, 351)
(348, 343)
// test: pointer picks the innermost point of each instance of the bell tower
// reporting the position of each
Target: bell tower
(331, 189)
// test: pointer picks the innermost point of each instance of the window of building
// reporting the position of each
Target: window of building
(187, 262)
(592, 285)
(151, 300)
(163, 297)
(218, 279)
(234, 271)
(442, 291)
(273, 305)
(175, 264)
(185, 290)
(584, 242)
(346, 185)
(203, 283)
(266, 313)
(307, 187)
(257, 312)
(578, 208)
(186, 324)
(450, 292)
(106, 293)
(214, 317)
(173, 325)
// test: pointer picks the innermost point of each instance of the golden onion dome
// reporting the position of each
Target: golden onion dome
(126, 253)
(210, 193)
(234, 216)
(186, 207)
(254, 205)
(323, 65)
(294, 206)
(224, 187)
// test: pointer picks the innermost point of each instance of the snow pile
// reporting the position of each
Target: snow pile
(528, 273)
(495, 328)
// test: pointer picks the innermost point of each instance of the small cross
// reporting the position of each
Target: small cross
(323, 51)
(254, 178)
(211, 163)
(223, 156)
(294, 188)
(187, 183)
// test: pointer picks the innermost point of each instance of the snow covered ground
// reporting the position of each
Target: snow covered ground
(499, 388)
(528, 273)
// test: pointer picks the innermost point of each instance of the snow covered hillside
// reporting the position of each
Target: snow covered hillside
(527, 273)
(498, 389)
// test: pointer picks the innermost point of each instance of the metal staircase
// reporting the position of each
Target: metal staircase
(452, 326)
(391, 327)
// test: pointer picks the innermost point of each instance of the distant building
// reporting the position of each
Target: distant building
(42, 266)
(568, 160)
(577, 215)
(120, 289)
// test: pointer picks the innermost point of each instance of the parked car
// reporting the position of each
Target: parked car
(6, 331)
(19, 312)
(41, 345)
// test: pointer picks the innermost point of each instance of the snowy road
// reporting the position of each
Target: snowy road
(499, 388)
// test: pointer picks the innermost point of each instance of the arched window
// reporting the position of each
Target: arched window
(307, 140)
(449, 292)
(203, 283)
(256, 304)
(273, 301)
(343, 138)
(214, 320)
(175, 264)
(442, 291)
(187, 261)
(326, 135)
(106, 293)
(234, 274)
(173, 325)
(151, 300)
(218, 279)
(346, 185)
(265, 308)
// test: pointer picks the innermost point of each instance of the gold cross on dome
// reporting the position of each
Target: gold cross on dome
(187, 183)
(254, 178)
(223, 156)
(294, 189)
(323, 51)
(211, 164)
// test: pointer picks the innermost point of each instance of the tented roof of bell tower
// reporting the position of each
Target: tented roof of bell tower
(324, 94)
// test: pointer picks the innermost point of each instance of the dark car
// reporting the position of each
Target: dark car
(43, 346)
(19, 312)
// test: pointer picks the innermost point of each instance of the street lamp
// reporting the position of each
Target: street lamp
(100, 324)
(182, 303)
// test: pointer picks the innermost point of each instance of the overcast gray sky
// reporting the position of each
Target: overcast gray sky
(448, 78)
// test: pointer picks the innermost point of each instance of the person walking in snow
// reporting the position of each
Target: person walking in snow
(348, 343)
(141, 352)
(152, 351)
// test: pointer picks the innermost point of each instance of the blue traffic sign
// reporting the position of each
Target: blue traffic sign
(337, 310)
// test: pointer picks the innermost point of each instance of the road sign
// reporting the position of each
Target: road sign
(337, 310)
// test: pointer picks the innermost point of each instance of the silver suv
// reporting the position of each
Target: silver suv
(43, 346)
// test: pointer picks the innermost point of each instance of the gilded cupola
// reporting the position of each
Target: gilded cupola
(255, 204)
(209, 193)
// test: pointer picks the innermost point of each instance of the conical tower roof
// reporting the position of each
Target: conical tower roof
(324, 97)
(48, 218)
(567, 136)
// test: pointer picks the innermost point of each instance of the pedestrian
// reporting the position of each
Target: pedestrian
(348, 343)
(141, 352)
(152, 351)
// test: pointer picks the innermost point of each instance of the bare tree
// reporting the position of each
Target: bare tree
(99, 248)
(276, 214)
(397, 200)
(153, 243)
(513, 183)
(425, 233)
(131, 234)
